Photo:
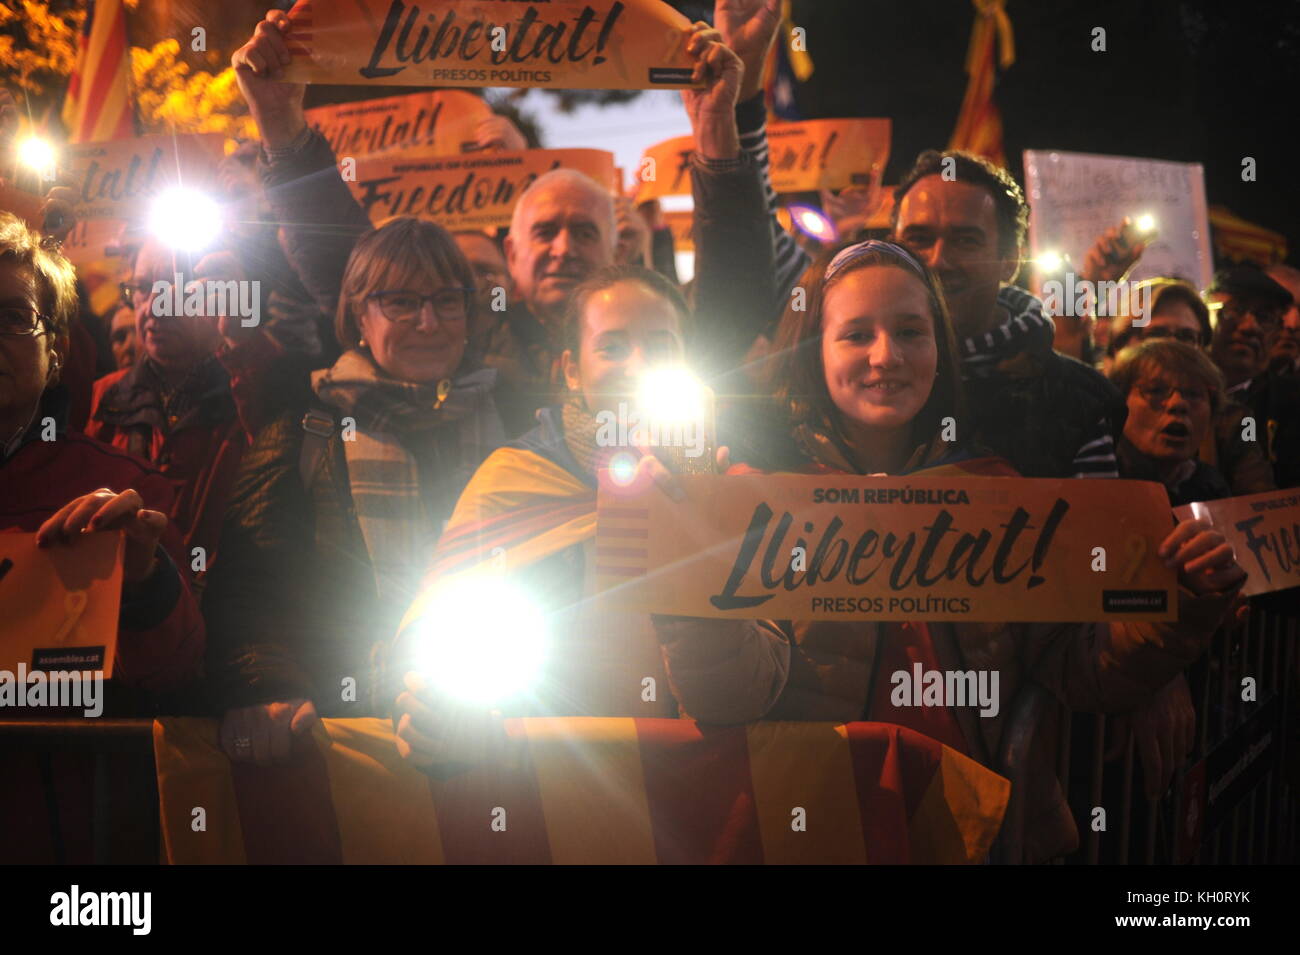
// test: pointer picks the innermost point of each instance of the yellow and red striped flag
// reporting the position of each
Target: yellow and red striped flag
(584, 791)
(98, 103)
(979, 125)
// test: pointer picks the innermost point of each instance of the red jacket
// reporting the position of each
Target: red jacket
(160, 633)
(200, 451)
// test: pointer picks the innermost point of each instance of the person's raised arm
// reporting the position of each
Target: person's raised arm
(733, 250)
(321, 218)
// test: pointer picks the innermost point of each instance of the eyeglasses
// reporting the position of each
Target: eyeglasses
(403, 306)
(1157, 395)
(20, 321)
(1188, 336)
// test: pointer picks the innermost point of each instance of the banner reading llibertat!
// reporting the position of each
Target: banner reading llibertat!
(1264, 531)
(799, 547)
(443, 121)
(473, 191)
(59, 605)
(565, 44)
(804, 157)
(116, 179)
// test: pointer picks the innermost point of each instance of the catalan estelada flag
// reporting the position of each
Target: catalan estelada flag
(98, 103)
(979, 125)
(584, 791)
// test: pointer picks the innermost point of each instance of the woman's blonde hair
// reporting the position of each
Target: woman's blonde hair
(386, 257)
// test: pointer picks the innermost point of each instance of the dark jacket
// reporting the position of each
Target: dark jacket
(1274, 400)
(322, 221)
(199, 448)
(293, 609)
(1197, 481)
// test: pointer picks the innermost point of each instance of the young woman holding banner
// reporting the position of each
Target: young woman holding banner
(865, 380)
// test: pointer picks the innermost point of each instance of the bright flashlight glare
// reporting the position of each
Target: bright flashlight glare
(670, 394)
(812, 223)
(36, 153)
(1050, 262)
(622, 468)
(1145, 223)
(483, 640)
(185, 219)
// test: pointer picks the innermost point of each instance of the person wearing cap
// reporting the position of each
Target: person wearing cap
(1250, 307)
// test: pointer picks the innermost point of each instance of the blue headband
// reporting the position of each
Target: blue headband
(854, 252)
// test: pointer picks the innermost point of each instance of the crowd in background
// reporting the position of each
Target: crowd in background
(385, 426)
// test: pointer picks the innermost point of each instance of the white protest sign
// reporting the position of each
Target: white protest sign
(1075, 197)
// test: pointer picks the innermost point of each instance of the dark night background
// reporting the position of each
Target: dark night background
(1207, 81)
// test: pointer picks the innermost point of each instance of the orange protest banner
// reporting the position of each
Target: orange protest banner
(443, 121)
(474, 191)
(814, 154)
(58, 605)
(800, 547)
(1264, 531)
(564, 44)
(116, 178)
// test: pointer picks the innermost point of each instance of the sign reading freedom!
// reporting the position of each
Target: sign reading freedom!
(809, 547)
(564, 44)
(1264, 531)
(473, 191)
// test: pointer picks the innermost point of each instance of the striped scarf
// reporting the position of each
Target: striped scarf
(390, 415)
(1027, 330)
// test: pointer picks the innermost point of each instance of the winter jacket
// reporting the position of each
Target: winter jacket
(735, 671)
(293, 609)
(199, 450)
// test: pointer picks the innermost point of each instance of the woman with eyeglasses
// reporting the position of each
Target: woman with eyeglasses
(1172, 392)
(340, 501)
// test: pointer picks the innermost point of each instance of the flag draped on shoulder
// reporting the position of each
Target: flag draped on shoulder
(520, 507)
(98, 104)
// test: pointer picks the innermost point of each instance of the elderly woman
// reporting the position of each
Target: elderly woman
(61, 484)
(864, 378)
(340, 501)
(1172, 391)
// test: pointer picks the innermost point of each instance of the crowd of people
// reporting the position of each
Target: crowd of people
(288, 490)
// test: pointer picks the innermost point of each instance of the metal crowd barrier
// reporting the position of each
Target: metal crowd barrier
(1234, 800)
